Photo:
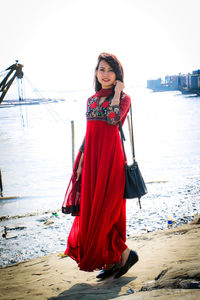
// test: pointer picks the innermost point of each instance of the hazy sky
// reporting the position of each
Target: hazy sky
(58, 41)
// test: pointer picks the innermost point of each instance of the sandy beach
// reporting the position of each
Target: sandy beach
(168, 268)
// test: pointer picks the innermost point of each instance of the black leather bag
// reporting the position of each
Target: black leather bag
(134, 183)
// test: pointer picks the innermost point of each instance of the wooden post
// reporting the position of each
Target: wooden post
(73, 144)
(1, 191)
(1, 184)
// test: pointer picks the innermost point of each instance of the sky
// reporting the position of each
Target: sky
(58, 41)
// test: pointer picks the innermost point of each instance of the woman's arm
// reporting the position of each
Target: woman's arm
(82, 148)
(118, 109)
(118, 89)
(80, 166)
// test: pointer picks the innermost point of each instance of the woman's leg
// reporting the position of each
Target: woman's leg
(124, 257)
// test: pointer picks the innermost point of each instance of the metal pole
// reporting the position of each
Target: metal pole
(73, 146)
(1, 184)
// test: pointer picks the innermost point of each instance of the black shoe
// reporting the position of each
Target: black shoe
(107, 273)
(132, 259)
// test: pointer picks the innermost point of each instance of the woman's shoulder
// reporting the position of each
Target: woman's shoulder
(125, 97)
(92, 97)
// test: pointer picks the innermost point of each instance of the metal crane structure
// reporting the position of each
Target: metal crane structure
(12, 72)
(15, 72)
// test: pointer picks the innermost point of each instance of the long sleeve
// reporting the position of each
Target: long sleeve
(119, 112)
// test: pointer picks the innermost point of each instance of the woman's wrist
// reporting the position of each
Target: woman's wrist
(115, 103)
(116, 98)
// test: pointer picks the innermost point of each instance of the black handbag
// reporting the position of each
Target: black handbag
(134, 183)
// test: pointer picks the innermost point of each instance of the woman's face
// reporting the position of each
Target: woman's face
(105, 75)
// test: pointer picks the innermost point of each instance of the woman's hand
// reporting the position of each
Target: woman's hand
(119, 86)
(78, 172)
(80, 166)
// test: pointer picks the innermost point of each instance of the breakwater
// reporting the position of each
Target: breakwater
(186, 84)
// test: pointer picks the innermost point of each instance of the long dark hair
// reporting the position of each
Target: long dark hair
(115, 64)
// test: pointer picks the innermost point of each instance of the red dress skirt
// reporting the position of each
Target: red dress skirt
(98, 234)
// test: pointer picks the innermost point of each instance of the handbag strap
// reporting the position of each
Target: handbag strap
(122, 139)
(132, 143)
(132, 137)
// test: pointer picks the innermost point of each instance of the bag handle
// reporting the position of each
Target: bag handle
(132, 143)
(122, 139)
(132, 137)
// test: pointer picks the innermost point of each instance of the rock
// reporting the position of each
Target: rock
(48, 222)
(176, 278)
(196, 220)
(161, 274)
(188, 284)
(5, 232)
(16, 228)
(9, 237)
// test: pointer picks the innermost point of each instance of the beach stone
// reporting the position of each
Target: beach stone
(176, 278)
(48, 222)
(15, 228)
(8, 237)
(196, 220)
(188, 284)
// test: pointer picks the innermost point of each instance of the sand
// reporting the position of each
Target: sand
(170, 256)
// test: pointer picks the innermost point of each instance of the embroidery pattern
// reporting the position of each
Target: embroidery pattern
(103, 112)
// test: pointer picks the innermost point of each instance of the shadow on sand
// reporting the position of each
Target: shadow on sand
(102, 290)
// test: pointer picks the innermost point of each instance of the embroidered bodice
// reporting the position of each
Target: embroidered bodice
(105, 111)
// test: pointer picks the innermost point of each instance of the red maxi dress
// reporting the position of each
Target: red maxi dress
(98, 234)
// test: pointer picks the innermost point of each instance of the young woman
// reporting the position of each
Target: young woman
(98, 234)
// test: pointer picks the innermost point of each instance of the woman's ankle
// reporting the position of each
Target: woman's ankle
(124, 256)
(108, 267)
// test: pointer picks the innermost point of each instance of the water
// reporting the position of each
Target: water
(35, 159)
